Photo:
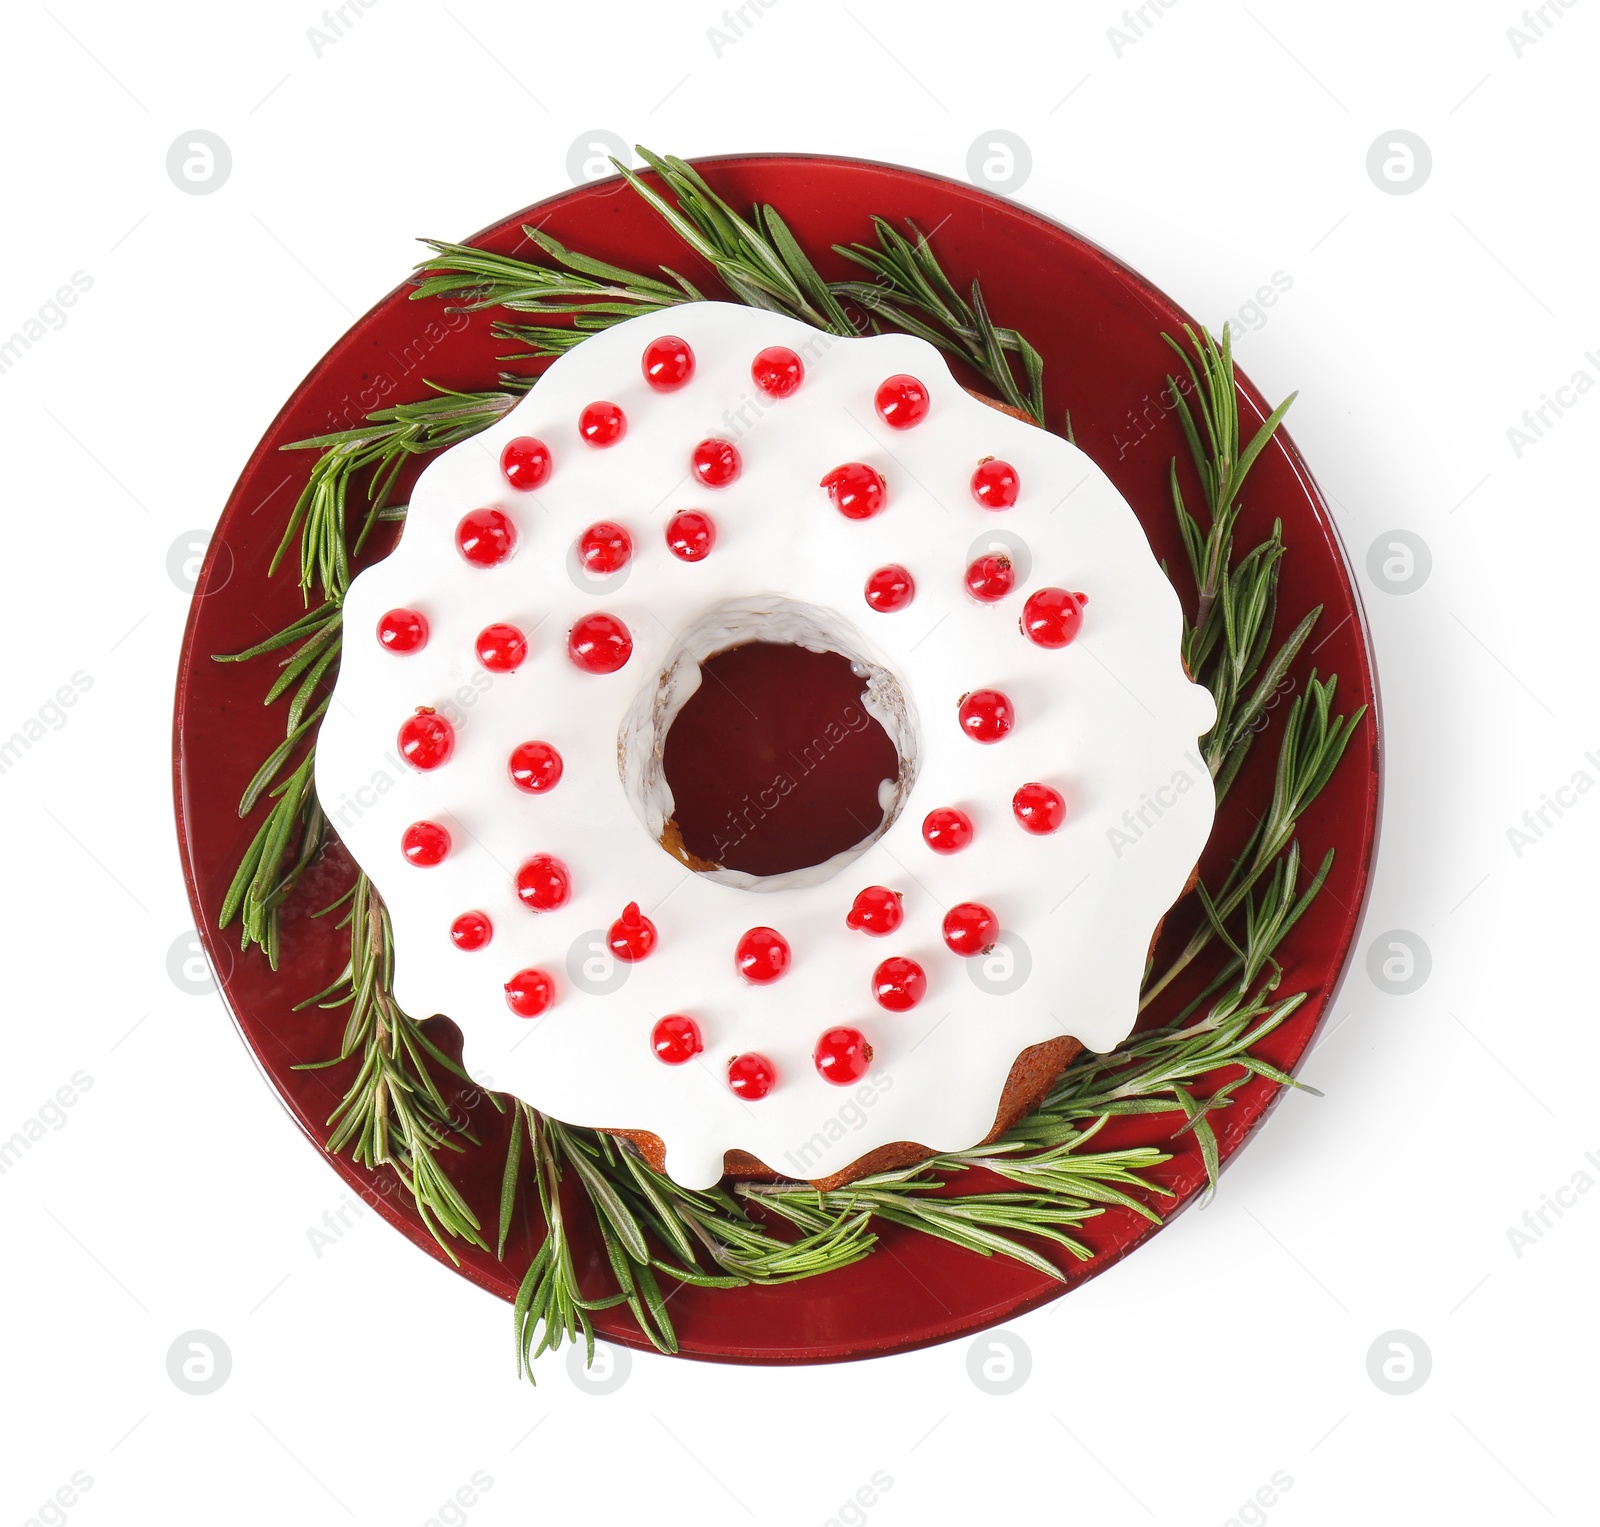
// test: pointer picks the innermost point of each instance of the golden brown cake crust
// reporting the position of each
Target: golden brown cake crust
(1005, 408)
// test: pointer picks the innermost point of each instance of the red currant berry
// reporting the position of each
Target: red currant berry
(947, 830)
(426, 739)
(751, 1076)
(715, 462)
(842, 1056)
(529, 993)
(602, 424)
(876, 910)
(970, 928)
(525, 462)
(995, 484)
(535, 767)
(901, 401)
(986, 715)
(668, 363)
(1038, 808)
(891, 588)
(472, 930)
(632, 936)
(486, 536)
(856, 490)
(502, 648)
(762, 956)
(691, 535)
(599, 643)
(676, 1039)
(990, 578)
(1052, 617)
(778, 371)
(543, 883)
(604, 548)
(899, 984)
(402, 630)
(424, 844)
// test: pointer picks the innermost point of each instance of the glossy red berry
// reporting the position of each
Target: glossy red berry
(602, 424)
(543, 883)
(751, 1076)
(1052, 617)
(604, 548)
(676, 1039)
(691, 535)
(762, 955)
(1038, 808)
(856, 490)
(525, 462)
(947, 830)
(970, 928)
(426, 739)
(472, 930)
(715, 462)
(501, 648)
(599, 643)
(424, 844)
(901, 401)
(486, 536)
(402, 630)
(778, 371)
(986, 715)
(899, 984)
(995, 484)
(668, 363)
(529, 993)
(876, 910)
(991, 578)
(891, 588)
(842, 1056)
(632, 936)
(535, 767)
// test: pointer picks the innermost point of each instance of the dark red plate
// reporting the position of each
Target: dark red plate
(1098, 326)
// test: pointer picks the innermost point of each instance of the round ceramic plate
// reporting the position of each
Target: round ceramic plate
(1098, 326)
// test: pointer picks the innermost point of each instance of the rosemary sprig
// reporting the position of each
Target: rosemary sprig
(758, 260)
(284, 846)
(1159, 1071)
(1313, 742)
(1063, 1188)
(910, 291)
(292, 833)
(649, 1226)
(376, 450)
(548, 1305)
(394, 1114)
(1225, 648)
(580, 285)
(985, 1223)
(1236, 601)
(593, 294)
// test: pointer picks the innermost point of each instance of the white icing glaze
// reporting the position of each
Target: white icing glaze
(1110, 720)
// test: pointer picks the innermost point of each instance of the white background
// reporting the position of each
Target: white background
(1222, 145)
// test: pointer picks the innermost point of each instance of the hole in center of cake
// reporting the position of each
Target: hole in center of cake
(775, 763)
(773, 747)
